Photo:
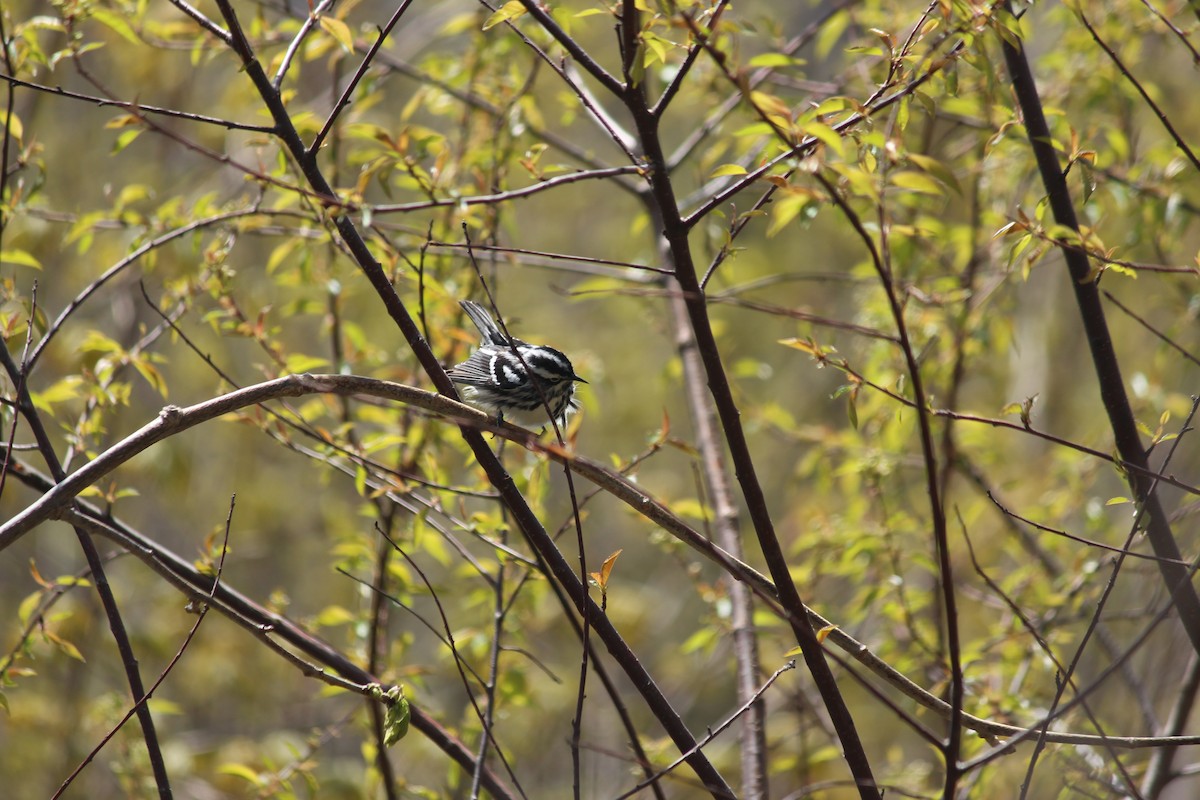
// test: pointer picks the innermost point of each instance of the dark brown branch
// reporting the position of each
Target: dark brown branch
(116, 624)
(530, 526)
(953, 744)
(1158, 112)
(1100, 344)
(182, 574)
(268, 627)
(676, 234)
(344, 100)
(139, 108)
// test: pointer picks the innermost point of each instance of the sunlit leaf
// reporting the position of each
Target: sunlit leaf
(506, 13)
(339, 31)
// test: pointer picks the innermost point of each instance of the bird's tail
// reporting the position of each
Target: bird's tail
(483, 320)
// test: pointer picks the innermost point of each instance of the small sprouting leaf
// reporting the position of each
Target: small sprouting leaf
(1011, 228)
(1087, 172)
(824, 632)
(28, 606)
(1117, 501)
(397, 718)
(606, 568)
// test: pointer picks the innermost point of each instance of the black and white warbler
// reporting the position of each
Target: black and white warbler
(507, 383)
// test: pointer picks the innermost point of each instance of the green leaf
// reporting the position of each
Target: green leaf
(728, 169)
(64, 646)
(826, 135)
(917, 182)
(334, 615)
(657, 48)
(395, 721)
(60, 392)
(19, 257)
(937, 169)
(117, 24)
(301, 362)
(28, 606)
(702, 640)
(774, 60)
(240, 771)
(151, 375)
(125, 139)
(339, 31)
(15, 129)
(507, 12)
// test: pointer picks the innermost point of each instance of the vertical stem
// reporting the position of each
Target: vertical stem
(676, 233)
(745, 645)
(1104, 358)
(115, 622)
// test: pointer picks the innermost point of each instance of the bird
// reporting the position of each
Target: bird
(514, 379)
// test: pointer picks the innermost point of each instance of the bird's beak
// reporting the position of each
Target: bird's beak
(578, 379)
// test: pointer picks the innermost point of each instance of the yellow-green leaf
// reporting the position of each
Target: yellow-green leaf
(19, 257)
(240, 771)
(507, 12)
(396, 720)
(728, 169)
(65, 647)
(339, 31)
(826, 135)
(916, 182)
(116, 23)
(15, 128)
(60, 392)
(774, 60)
(334, 615)
(302, 362)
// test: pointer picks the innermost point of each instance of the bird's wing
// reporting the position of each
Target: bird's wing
(475, 371)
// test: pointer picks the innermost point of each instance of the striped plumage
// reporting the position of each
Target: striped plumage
(496, 380)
